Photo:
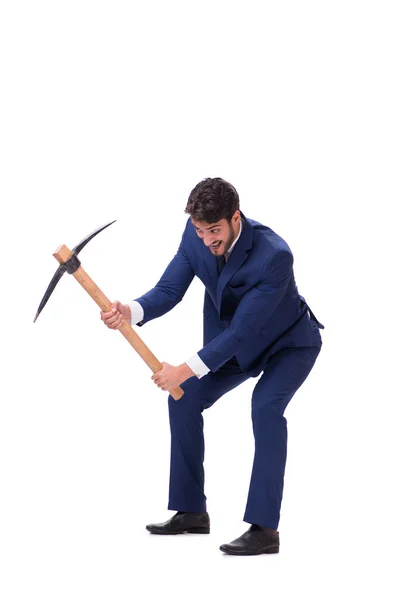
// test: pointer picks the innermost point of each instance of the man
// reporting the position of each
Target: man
(255, 322)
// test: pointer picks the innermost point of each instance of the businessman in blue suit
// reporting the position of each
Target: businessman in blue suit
(255, 323)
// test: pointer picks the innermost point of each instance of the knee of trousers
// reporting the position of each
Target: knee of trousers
(191, 403)
(268, 413)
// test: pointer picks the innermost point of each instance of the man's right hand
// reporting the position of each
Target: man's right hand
(118, 313)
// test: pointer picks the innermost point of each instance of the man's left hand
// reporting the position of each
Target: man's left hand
(169, 377)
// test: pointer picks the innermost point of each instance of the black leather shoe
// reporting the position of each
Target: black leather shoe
(182, 523)
(257, 540)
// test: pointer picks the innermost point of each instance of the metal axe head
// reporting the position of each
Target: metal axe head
(70, 266)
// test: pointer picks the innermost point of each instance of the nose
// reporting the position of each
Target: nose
(208, 240)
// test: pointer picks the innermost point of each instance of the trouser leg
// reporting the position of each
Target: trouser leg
(186, 486)
(284, 374)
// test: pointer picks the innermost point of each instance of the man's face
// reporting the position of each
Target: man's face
(219, 236)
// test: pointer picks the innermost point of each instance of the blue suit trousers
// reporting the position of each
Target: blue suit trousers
(284, 373)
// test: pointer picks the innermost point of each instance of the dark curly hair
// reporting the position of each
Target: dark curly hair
(212, 200)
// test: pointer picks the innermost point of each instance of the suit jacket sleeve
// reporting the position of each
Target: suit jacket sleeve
(253, 312)
(170, 289)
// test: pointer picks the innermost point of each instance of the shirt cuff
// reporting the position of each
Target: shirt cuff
(137, 312)
(198, 367)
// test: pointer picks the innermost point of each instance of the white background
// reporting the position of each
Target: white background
(115, 110)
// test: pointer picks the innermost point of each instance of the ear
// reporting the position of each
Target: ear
(236, 216)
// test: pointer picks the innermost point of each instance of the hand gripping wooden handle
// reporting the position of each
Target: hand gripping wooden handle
(62, 254)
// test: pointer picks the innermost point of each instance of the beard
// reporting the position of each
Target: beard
(231, 238)
(224, 246)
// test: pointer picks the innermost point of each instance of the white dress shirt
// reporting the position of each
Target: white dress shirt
(198, 367)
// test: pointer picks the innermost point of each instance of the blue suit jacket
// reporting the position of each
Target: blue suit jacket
(252, 310)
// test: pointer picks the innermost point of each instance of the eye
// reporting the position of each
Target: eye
(214, 231)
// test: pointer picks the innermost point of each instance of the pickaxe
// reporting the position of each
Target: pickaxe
(70, 262)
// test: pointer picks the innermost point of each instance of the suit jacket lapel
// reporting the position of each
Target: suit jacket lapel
(236, 259)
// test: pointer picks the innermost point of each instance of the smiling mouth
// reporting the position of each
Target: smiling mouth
(215, 246)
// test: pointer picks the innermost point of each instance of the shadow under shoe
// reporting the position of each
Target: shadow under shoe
(182, 522)
(256, 540)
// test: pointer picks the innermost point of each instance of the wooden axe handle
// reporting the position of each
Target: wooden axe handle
(62, 254)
